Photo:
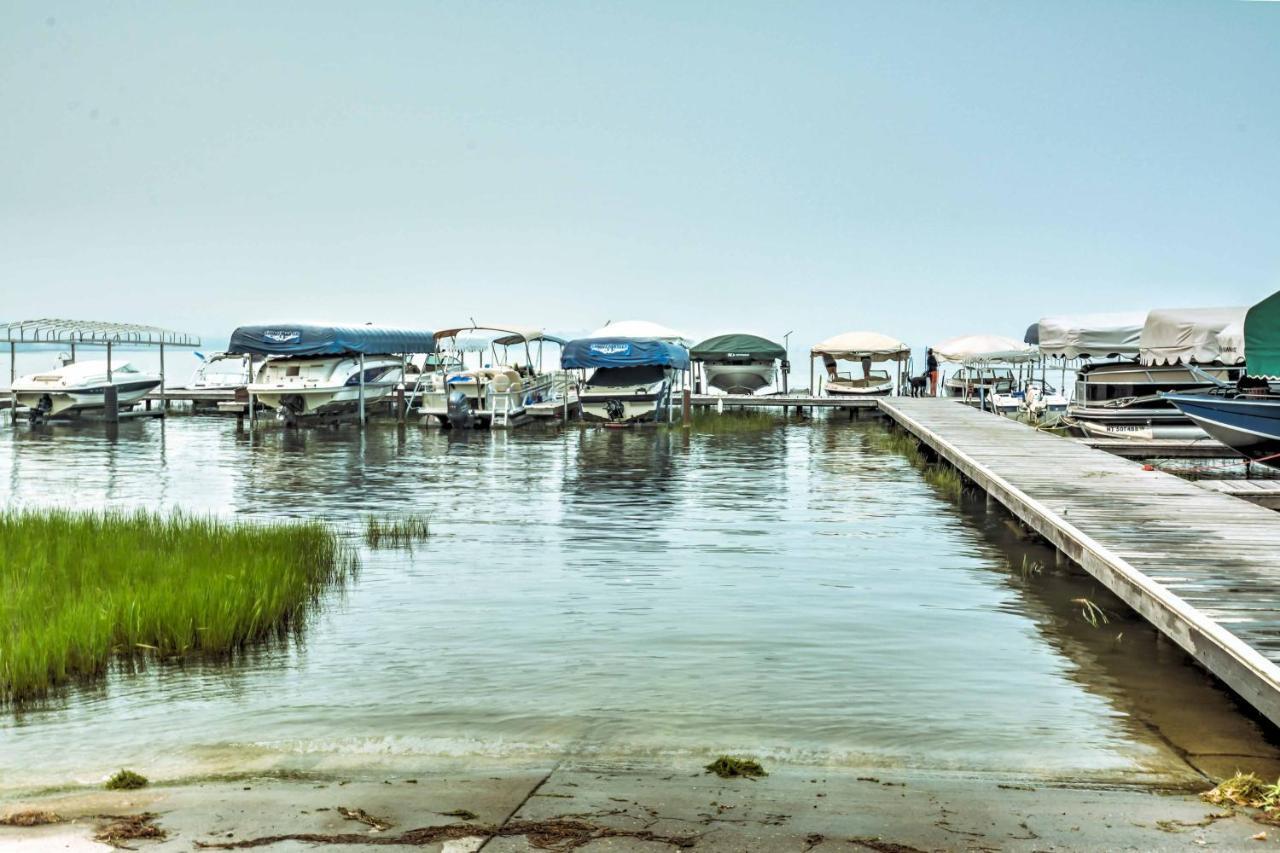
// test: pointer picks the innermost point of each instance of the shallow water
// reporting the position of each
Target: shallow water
(795, 593)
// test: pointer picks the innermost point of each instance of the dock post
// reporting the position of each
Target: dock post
(687, 402)
(13, 375)
(250, 393)
(108, 362)
(164, 401)
(111, 403)
(400, 409)
(361, 390)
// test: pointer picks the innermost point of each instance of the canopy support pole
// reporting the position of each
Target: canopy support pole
(164, 401)
(13, 375)
(361, 390)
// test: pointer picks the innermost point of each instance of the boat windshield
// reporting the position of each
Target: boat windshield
(626, 376)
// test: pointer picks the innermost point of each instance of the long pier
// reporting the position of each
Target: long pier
(1201, 566)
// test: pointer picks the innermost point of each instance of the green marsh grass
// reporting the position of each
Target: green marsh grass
(79, 591)
(940, 475)
(395, 532)
(709, 421)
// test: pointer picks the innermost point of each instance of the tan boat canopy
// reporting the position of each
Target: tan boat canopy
(1187, 335)
(852, 346)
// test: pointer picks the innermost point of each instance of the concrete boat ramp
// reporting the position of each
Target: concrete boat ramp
(1201, 566)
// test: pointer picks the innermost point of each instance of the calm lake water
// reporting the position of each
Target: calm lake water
(795, 593)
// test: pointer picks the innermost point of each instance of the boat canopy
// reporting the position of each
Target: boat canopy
(984, 349)
(1091, 335)
(1185, 335)
(309, 339)
(480, 338)
(623, 352)
(852, 345)
(639, 329)
(1262, 338)
(1231, 343)
(737, 346)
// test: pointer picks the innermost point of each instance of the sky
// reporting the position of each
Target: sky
(921, 169)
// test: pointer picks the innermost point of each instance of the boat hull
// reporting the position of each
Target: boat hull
(62, 400)
(738, 378)
(1250, 426)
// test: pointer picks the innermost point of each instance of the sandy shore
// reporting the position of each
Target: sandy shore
(642, 808)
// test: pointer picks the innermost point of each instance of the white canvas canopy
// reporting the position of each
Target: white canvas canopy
(1091, 335)
(855, 345)
(984, 349)
(1185, 335)
(1231, 343)
(639, 329)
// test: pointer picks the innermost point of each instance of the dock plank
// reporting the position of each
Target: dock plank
(1200, 564)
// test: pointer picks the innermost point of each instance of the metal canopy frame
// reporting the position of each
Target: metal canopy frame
(88, 333)
(92, 332)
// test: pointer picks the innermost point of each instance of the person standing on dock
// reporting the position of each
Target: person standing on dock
(931, 370)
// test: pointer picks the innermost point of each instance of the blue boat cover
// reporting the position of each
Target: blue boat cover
(308, 339)
(623, 352)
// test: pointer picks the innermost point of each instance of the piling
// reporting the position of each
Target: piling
(111, 403)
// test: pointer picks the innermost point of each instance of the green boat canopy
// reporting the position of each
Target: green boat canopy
(1262, 338)
(735, 347)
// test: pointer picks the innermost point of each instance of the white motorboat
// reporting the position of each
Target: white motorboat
(739, 363)
(296, 387)
(866, 348)
(489, 376)
(320, 369)
(984, 375)
(81, 385)
(632, 379)
(219, 371)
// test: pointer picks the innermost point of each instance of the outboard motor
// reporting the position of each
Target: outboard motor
(36, 414)
(614, 409)
(459, 409)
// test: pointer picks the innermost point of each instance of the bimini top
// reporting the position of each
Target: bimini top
(984, 349)
(1091, 335)
(623, 352)
(858, 344)
(480, 338)
(1185, 335)
(1262, 338)
(639, 329)
(309, 339)
(737, 347)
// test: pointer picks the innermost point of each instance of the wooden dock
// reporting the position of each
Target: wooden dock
(775, 401)
(1265, 492)
(1201, 566)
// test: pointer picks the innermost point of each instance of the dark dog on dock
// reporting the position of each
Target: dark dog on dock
(918, 384)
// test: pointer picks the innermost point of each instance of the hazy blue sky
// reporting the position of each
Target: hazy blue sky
(921, 169)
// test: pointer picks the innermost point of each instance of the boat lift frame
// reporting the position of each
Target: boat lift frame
(88, 333)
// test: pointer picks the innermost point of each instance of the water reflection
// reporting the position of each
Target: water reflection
(794, 592)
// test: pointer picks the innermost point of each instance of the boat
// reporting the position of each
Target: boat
(1244, 416)
(218, 371)
(488, 376)
(867, 348)
(80, 385)
(985, 373)
(326, 369)
(1170, 351)
(632, 379)
(739, 363)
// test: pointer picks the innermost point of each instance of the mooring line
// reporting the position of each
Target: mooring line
(506, 820)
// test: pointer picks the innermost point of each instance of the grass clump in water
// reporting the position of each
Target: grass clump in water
(395, 532)
(126, 780)
(731, 767)
(730, 421)
(79, 591)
